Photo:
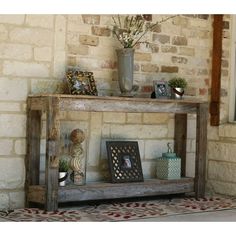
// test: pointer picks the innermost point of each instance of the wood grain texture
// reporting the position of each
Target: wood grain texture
(201, 148)
(52, 153)
(180, 139)
(32, 160)
(216, 70)
(98, 191)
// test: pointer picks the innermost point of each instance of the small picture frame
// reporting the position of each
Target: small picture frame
(161, 89)
(124, 161)
(81, 83)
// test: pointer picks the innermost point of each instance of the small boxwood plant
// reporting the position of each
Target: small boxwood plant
(177, 82)
(63, 165)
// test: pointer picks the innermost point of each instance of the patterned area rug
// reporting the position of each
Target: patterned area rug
(122, 211)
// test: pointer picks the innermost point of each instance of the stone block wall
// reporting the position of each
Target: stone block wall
(35, 51)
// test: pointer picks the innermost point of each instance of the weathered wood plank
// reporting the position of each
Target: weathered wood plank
(98, 191)
(180, 138)
(38, 103)
(201, 148)
(36, 194)
(216, 70)
(52, 154)
(32, 160)
(126, 106)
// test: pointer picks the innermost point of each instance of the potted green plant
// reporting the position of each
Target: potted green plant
(63, 171)
(177, 85)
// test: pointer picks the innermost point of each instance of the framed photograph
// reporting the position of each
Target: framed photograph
(81, 83)
(124, 161)
(161, 89)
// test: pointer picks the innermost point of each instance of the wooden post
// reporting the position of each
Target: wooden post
(32, 160)
(216, 70)
(201, 147)
(180, 140)
(52, 154)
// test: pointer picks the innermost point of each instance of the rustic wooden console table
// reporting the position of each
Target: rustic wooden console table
(50, 194)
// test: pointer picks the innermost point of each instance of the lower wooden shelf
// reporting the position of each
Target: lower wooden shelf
(100, 190)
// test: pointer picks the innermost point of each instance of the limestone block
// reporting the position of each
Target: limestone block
(199, 23)
(59, 64)
(6, 146)
(155, 148)
(179, 60)
(92, 176)
(3, 33)
(14, 90)
(12, 125)
(154, 47)
(113, 117)
(46, 86)
(35, 36)
(179, 20)
(227, 131)
(25, 69)
(222, 171)
(9, 106)
(134, 118)
(20, 147)
(88, 40)
(169, 28)
(95, 139)
(152, 68)
(60, 33)
(221, 151)
(43, 146)
(191, 146)
(171, 128)
(75, 115)
(138, 131)
(12, 19)
(91, 19)
(106, 131)
(168, 49)
(43, 53)
(17, 199)
(78, 49)
(101, 31)
(138, 56)
(161, 38)
(73, 37)
(212, 132)
(187, 51)
(15, 51)
(179, 40)
(155, 118)
(149, 169)
(224, 188)
(191, 129)
(190, 164)
(4, 201)
(12, 173)
(169, 69)
(44, 21)
(76, 25)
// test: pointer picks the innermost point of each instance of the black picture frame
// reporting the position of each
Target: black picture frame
(124, 161)
(162, 89)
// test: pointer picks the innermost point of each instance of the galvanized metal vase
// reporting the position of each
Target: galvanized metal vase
(125, 63)
(177, 93)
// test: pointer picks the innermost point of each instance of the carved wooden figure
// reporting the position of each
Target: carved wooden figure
(77, 162)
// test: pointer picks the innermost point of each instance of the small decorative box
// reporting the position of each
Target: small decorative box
(168, 166)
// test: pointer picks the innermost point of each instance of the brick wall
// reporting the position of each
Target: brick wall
(35, 51)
